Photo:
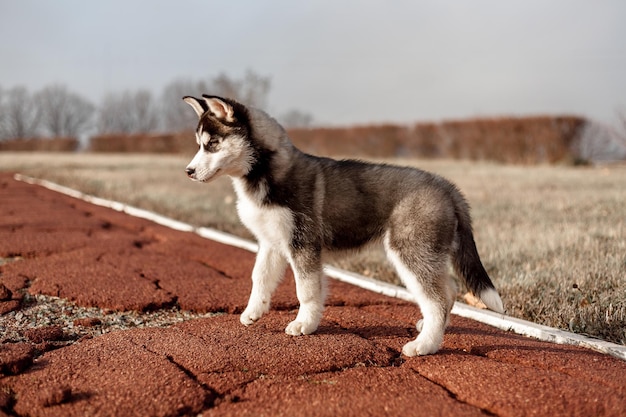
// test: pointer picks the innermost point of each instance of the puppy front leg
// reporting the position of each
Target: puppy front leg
(311, 292)
(268, 271)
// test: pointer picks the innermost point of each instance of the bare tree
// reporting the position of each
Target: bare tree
(252, 90)
(21, 115)
(619, 136)
(296, 119)
(64, 114)
(224, 86)
(2, 113)
(113, 114)
(599, 142)
(176, 114)
(145, 113)
(621, 128)
(255, 89)
(128, 113)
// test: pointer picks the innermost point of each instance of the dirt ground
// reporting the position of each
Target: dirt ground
(69, 269)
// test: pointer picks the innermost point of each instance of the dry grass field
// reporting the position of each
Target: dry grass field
(553, 238)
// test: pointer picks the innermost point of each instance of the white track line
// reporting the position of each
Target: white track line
(499, 321)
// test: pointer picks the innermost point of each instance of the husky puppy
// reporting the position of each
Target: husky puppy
(301, 208)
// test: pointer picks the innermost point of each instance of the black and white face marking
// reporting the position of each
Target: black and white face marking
(208, 143)
(222, 147)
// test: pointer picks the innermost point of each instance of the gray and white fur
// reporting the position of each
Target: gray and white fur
(302, 208)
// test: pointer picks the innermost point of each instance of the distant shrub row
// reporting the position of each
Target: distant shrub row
(528, 140)
(43, 145)
(183, 142)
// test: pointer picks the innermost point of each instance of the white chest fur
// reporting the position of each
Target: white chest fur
(271, 226)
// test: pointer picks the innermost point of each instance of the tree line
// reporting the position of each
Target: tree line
(56, 111)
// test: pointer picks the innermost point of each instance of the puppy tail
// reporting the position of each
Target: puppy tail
(467, 264)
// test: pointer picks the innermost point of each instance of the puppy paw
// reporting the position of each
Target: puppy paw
(420, 347)
(249, 316)
(297, 328)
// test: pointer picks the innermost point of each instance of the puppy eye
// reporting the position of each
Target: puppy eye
(213, 144)
(214, 141)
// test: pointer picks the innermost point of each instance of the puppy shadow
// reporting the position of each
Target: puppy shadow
(369, 332)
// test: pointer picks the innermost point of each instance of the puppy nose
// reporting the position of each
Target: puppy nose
(190, 171)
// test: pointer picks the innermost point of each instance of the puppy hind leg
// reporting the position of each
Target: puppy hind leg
(430, 288)
(450, 290)
(268, 271)
(432, 326)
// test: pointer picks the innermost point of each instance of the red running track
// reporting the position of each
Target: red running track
(214, 366)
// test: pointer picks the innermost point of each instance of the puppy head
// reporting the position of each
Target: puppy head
(221, 136)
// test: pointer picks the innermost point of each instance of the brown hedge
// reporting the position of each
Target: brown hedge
(528, 140)
(183, 142)
(42, 145)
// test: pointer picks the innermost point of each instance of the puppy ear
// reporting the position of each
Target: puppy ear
(198, 105)
(221, 109)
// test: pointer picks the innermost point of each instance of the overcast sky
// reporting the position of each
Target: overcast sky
(343, 61)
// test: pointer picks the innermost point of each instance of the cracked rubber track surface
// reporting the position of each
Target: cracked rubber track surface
(216, 367)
